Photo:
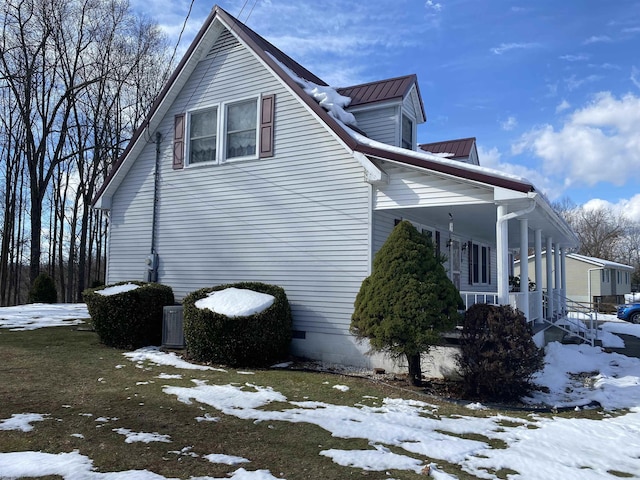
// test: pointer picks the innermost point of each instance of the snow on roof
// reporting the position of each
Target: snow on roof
(236, 302)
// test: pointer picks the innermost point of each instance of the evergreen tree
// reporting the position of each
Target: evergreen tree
(43, 290)
(407, 301)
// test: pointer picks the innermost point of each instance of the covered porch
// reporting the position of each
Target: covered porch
(481, 227)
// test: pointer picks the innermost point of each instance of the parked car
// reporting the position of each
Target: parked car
(629, 312)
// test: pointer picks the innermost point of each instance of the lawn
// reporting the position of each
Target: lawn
(96, 412)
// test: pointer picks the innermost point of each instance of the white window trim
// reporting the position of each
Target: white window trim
(414, 129)
(187, 153)
(222, 128)
(221, 133)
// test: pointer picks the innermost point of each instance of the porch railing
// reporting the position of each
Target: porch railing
(516, 300)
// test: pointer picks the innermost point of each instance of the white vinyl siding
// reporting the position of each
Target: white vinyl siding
(413, 188)
(299, 219)
(380, 124)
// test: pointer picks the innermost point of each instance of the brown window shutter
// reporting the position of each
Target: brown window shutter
(470, 251)
(178, 142)
(267, 109)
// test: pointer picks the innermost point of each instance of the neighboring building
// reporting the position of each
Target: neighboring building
(248, 169)
(590, 280)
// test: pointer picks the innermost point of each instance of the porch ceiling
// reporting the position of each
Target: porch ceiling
(478, 222)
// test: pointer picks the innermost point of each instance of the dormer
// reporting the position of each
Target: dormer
(388, 111)
(462, 150)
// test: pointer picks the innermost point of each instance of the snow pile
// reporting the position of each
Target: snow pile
(127, 287)
(225, 459)
(378, 460)
(41, 315)
(631, 297)
(327, 97)
(577, 375)
(236, 302)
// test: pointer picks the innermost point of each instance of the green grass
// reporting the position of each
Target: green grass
(67, 374)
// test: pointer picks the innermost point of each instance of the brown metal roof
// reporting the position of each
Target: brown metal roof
(271, 55)
(382, 90)
(459, 148)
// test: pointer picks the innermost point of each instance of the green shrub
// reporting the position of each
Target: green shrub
(130, 319)
(43, 290)
(408, 301)
(498, 356)
(255, 340)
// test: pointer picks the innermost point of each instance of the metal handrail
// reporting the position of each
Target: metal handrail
(576, 325)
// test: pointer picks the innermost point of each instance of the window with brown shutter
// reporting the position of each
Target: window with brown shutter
(266, 125)
(178, 142)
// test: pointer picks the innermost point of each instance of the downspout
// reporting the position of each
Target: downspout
(152, 259)
(502, 247)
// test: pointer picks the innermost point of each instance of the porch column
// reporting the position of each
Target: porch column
(502, 252)
(557, 283)
(563, 278)
(538, 269)
(524, 266)
(549, 262)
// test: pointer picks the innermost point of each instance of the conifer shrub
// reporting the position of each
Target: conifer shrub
(43, 290)
(130, 319)
(408, 301)
(256, 340)
(498, 355)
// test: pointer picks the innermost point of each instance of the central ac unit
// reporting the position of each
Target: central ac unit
(172, 327)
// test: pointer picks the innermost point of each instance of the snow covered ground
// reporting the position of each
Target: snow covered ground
(537, 447)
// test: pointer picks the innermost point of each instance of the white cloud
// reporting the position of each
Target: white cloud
(597, 143)
(572, 82)
(635, 76)
(433, 5)
(562, 106)
(630, 207)
(505, 47)
(492, 158)
(575, 58)
(509, 124)
(597, 39)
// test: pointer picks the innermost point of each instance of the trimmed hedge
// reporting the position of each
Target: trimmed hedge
(131, 319)
(256, 340)
(498, 355)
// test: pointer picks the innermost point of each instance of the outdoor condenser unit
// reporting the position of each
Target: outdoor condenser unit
(172, 327)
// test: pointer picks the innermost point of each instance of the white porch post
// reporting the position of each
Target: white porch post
(549, 261)
(538, 268)
(563, 278)
(557, 283)
(524, 266)
(502, 252)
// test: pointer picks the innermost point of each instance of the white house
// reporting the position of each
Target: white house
(248, 169)
(590, 280)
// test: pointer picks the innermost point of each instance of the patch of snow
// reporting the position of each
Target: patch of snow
(282, 365)
(236, 302)
(621, 327)
(21, 421)
(475, 406)
(207, 418)
(632, 297)
(142, 436)
(225, 459)
(378, 460)
(168, 376)
(116, 289)
(342, 388)
(155, 356)
(42, 315)
(241, 372)
(77, 435)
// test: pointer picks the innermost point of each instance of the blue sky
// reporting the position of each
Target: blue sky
(550, 89)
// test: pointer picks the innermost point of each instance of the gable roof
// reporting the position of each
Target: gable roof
(383, 91)
(458, 148)
(274, 58)
(599, 262)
